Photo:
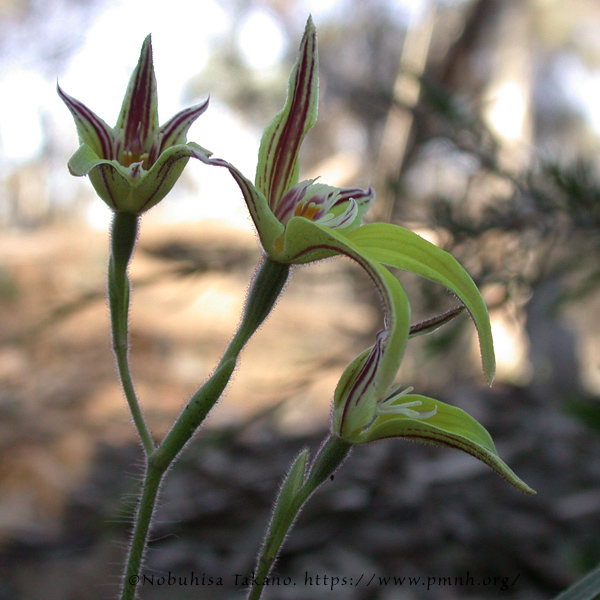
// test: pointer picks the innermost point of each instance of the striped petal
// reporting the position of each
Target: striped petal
(267, 225)
(277, 169)
(92, 130)
(175, 130)
(138, 119)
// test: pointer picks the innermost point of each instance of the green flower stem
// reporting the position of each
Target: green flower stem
(143, 518)
(268, 283)
(330, 456)
(122, 242)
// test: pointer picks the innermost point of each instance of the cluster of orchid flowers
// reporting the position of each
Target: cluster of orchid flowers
(135, 164)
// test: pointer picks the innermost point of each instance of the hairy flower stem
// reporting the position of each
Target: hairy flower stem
(143, 518)
(122, 242)
(330, 456)
(268, 283)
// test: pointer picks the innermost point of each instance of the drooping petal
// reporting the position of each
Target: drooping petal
(92, 130)
(175, 130)
(138, 119)
(277, 169)
(369, 377)
(398, 247)
(372, 373)
(268, 227)
(431, 325)
(445, 426)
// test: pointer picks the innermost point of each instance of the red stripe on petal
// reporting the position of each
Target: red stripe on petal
(278, 158)
(139, 113)
(174, 131)
(92, 130)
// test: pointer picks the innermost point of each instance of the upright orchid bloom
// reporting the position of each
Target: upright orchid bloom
(133, 165)
(300, 222)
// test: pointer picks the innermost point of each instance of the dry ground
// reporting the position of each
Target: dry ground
(69, 461)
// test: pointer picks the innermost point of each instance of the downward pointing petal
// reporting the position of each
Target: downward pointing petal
(446, 426)
(398, 247)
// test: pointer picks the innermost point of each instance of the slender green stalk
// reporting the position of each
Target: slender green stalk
(143, 519)
(290, 501)
(268, 284)
(123, 237)
(266, 287)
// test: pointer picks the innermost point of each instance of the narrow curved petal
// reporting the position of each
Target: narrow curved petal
(371, 374)
(398, 247)
(268, 227)
(92, 130)
(431, 325)
(277, 169)
(175, 130)
(448, 426)
(369, 377)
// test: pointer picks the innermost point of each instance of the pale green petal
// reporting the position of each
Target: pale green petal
(155, 184)
(277, 169)
(138, 118)
(108, 177)
(268, 227)
(84, 160)
(368, 378)
(398, 247)
(124, 192)
(449, 426)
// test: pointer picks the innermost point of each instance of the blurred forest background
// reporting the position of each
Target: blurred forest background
(478, 123)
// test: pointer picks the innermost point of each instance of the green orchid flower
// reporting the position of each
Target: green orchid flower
(134, 165)
(301, 222)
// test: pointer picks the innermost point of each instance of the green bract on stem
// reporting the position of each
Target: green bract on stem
(297, 487)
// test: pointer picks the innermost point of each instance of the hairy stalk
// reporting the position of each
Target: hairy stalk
(290, 501)
(268, 283)
(123, 236)
(143, 518)
(266, 287)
